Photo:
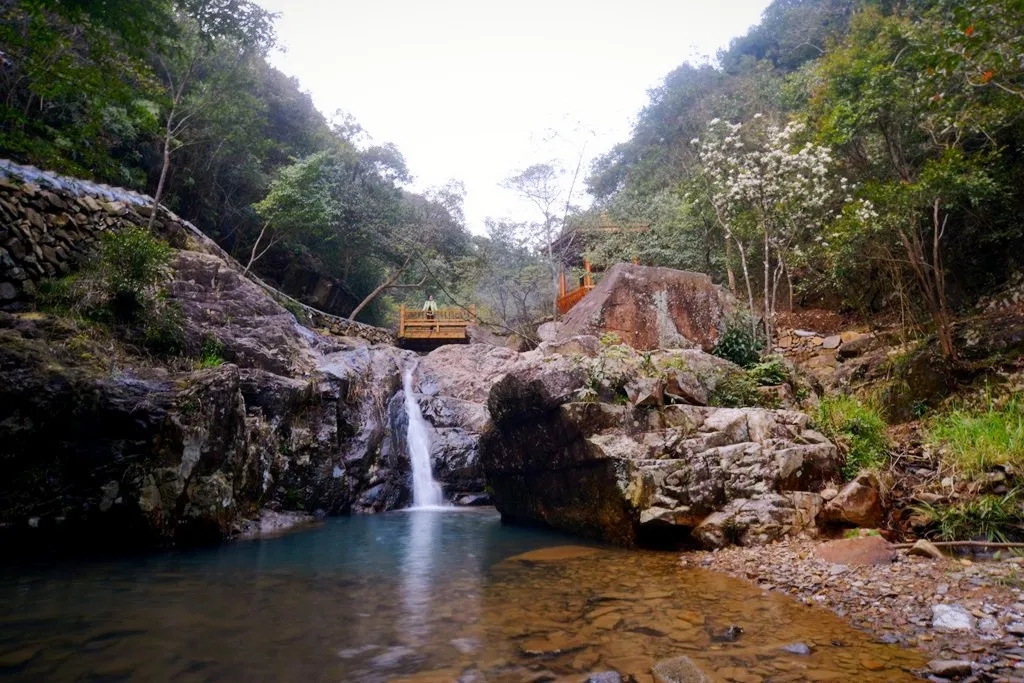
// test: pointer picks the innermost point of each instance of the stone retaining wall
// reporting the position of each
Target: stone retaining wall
(350, 328)
(50, 224)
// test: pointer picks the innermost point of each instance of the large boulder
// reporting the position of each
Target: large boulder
(95, 453)
(221, 305)
(569, 448)
(453, 383)
(651, 308)
(859, 503)
(92, 456)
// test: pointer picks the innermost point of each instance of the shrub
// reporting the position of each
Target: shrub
(123, 288)
(770, 371)
(988, 517)
(163, 327)
(740, 342)
(973, 441)
(211, 353)
(735, 390)
(857, 429)
(133, 264)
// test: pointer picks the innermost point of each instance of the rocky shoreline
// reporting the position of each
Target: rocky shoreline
(968, 616)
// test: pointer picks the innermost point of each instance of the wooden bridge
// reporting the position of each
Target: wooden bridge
(568, 299)
(421, 331)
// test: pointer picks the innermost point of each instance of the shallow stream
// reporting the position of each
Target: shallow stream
(429, 595)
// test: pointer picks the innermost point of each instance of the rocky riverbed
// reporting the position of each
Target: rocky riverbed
(968, 616)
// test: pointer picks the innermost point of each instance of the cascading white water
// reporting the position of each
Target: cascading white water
(425, 491)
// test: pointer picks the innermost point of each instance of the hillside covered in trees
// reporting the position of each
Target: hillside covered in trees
(176, 98)
(866, 155)
(861, 154)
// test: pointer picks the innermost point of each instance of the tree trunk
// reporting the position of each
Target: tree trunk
(746, 278)
(767, 306)
(728, 266)
(253, 256)
(387, 284)
(931, 278)
(159, 194)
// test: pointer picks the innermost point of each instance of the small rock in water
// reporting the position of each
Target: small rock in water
(391, 657)
(679, 670)
(797, 649)
(466, 645)
(349, 653)
(952, 618)
(605, 677)
(949, 668)
(729, 635)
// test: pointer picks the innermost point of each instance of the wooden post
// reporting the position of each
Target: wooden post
(401, 321)
(586, 276)
(561, 284)
(472, 312)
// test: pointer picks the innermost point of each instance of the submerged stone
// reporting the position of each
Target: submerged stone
(679, 670)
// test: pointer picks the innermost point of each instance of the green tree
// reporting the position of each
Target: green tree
(218, 38)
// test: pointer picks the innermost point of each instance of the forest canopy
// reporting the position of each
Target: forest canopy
(863, 153)
(860, 153)
(176, 98)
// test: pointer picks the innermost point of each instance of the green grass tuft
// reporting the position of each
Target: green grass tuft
(989, 518)
(857, 428)
(974, 440)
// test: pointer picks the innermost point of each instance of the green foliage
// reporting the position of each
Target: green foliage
(211, 353)
(133, 263)
(123, 289)
(736, 390)
(740, 343)
(771, 370)
(163, 327)
(975, 440)
(919, 105)
(997, 518)
(857, 429)
(295, 309)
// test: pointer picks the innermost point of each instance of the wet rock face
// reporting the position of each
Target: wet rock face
(630, 470)
(219, 304)
(651, 308)
(94, 453)
(93, 459)
(454, 382)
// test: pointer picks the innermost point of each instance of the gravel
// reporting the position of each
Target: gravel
(903, 602)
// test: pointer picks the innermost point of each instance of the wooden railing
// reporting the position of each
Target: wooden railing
(568, 299)
(444, 323)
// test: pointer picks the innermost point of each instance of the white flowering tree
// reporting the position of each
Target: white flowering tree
(763, 183)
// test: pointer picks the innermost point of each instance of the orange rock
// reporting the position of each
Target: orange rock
(857, 551)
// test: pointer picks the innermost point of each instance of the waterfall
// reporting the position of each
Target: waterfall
(425, 491)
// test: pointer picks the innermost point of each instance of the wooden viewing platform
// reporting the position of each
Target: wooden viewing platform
(568, 299)
(420, 331)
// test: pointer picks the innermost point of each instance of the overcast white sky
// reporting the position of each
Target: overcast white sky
(474, 89)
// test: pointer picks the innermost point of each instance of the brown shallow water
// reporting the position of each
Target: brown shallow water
(424, 596)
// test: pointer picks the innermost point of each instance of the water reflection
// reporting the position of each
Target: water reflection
(376, 599)
(417, 572)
